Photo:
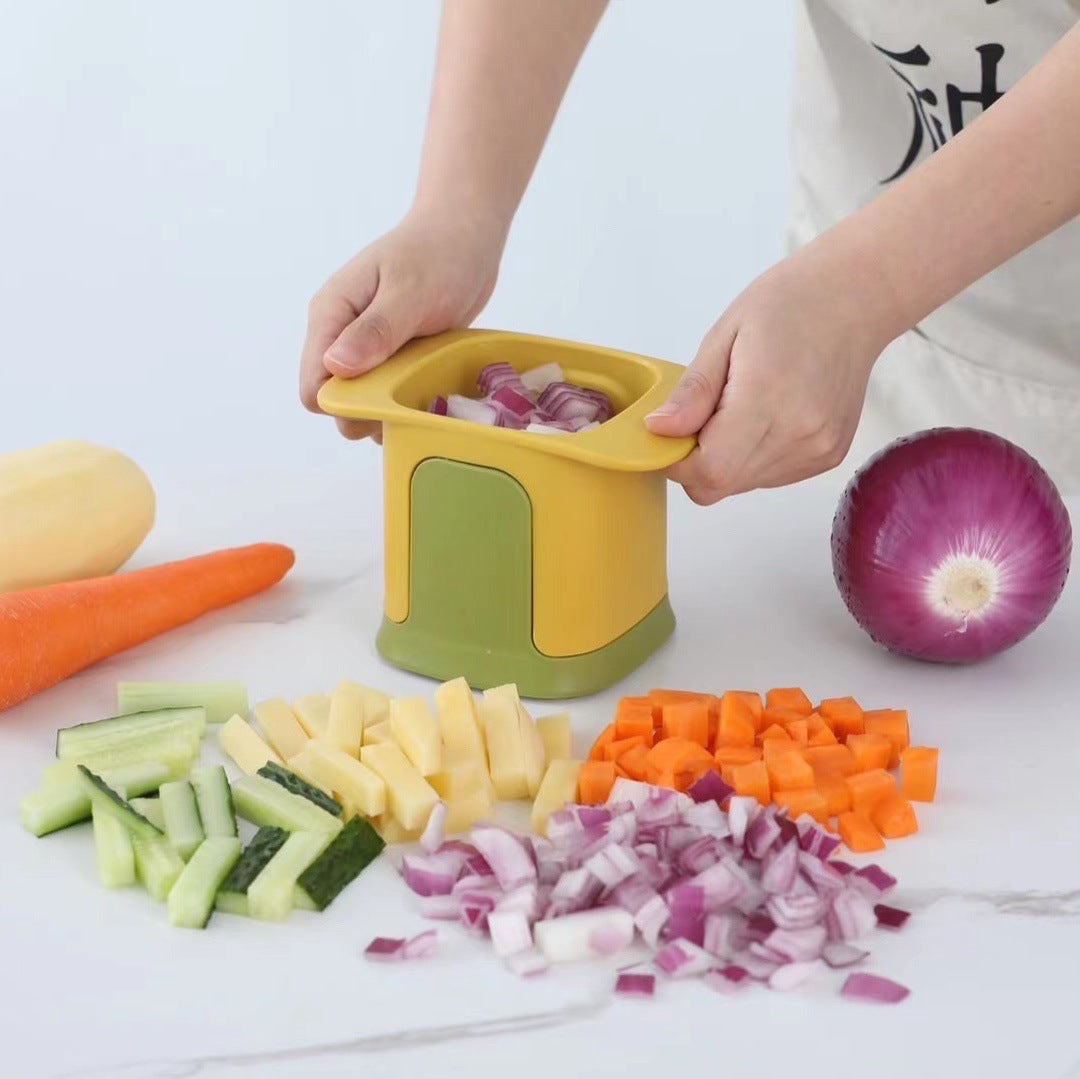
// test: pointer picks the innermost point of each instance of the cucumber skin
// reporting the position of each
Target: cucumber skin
(63, 803)
(353, 849)
(198, 884)
(90, 737)
(286, 810)
(270, 897)
(295, 784)
(101, 794)
(264, 845)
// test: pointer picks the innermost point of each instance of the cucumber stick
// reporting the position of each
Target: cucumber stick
(214, 799)
(123, 730)
(177, 751)
(113, 851)
(265, 803)
(219, 699)
(232, 895)
(64, 801)
(105, 799)
(297, 785)
(183, 825)
(150, 808)
(192, 896)
(157, 865)
(270, 895)
(352, 850)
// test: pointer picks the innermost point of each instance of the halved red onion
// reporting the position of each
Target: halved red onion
(873, 988)
(951, 545)
(635, 985)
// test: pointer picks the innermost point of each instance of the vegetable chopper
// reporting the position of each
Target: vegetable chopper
(512, 556)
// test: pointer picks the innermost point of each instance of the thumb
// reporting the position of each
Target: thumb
(697, 393)
(387, 323)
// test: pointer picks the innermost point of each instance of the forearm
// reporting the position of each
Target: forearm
(1004, 183)
(501, 72)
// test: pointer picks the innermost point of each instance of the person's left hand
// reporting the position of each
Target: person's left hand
(777, 387)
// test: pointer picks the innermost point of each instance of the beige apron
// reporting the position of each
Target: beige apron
(880, 85)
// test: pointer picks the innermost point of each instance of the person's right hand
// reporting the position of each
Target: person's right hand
(427, 275)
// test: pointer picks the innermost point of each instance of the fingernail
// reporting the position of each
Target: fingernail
(669, 408)
(340, 359)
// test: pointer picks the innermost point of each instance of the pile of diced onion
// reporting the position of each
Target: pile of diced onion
(538, 400)
(733, 896)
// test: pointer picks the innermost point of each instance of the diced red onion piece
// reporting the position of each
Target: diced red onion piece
(441, 908)
(422, 946)
(510, 933)
(727, 979)
(432, 874)
(792, 975)
(799, 945)
(709, 817)
(721, 931)
(843, 868)
(873, 988)
(853, 913)
(761, 834)
(632, 791)
(495, 375)
(545, 429)
(612, 865)
(510, 860)
(431, 839)
(575, 936)
(687, 924)
(682, 959)
(839, 954)
(890, 917)
(710, 788)
(635, 985)
(465, 408)
(438, 406)
(873, 880)
(741, 813)
(514, 401)
(779, 868)
(651, 918)
(759, 969)
(526, 898)
(527, 964)
(537, 379)
(385, 949)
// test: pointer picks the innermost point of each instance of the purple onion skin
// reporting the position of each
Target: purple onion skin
(940, 493)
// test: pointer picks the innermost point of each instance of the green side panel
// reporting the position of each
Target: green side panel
(470, 599)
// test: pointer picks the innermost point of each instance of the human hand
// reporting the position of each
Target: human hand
(433, 272)
(777, 387)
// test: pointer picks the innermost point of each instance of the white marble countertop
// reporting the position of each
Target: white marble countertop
(98, 984)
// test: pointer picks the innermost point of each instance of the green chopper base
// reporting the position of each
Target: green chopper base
(470, 594)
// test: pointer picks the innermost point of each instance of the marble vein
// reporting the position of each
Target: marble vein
(1039, 904)
(379, 1043)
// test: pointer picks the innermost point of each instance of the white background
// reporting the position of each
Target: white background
(177, 180)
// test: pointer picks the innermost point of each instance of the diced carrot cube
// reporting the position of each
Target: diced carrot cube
(752, 780)
(894, 817)
(780, 747)
(727, 773)
(823, 737)
(633, 762)
(630, 722)
(595, 781)
(788, 771)
(752, 700)
(859, 833)
(660, 697)
(737, 725)
(621, 771)
(614, 750)
(633, 704)
(793, 698)
(803, 800)
(831, 760)
(843, 714)
(918, 773)
(780, 716)
(836, 792)
(869, 788)
(606, 735)
(893, 724)
(775, 731)
(727, 756)
(687, 776)
(687, 719)
(797, 729)
(870, 751)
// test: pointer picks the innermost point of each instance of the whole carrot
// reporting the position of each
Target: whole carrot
(47, 634)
